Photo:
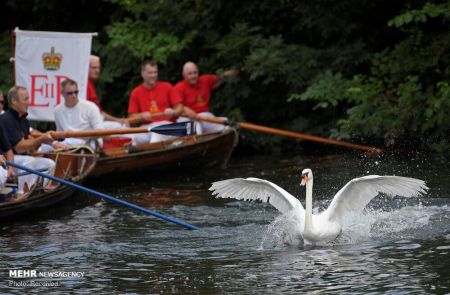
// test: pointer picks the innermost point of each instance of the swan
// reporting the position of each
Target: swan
(327, 225)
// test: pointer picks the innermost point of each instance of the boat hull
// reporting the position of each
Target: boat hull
(190, 151)
(73, 166)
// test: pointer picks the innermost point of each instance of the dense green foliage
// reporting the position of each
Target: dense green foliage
(405, 92)
(372, 70)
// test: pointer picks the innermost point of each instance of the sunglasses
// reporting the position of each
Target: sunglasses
(75, 92)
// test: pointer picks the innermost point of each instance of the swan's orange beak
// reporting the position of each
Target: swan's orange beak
(304, 179)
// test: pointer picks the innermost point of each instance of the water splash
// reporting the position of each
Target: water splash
(280, 232)
(410, 222)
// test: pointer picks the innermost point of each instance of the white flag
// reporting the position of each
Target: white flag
(43, 60)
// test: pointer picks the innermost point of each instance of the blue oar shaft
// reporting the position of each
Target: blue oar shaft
(105, 196)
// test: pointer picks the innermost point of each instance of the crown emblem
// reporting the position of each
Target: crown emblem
(52, 60)
(154, 107)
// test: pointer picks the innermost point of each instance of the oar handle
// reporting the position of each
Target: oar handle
(105, 196)
(292, 134)
(211, 120)
(97, 133)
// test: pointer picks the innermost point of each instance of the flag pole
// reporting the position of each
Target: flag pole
(13, 53)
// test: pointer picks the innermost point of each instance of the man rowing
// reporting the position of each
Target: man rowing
(17, 129)
(110, 121)
(196, 91)
(153, 103)
(77, 115)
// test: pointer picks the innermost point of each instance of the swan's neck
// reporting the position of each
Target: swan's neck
(308, 205)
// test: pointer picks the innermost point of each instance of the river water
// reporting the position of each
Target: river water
(398, 246)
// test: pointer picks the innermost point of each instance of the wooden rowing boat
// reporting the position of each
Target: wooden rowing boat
(187, 151)
(73, 166)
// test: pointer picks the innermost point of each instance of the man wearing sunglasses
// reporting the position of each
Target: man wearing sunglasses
(76, 114)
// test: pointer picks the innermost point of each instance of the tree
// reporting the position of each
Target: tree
(371, 69)
(405, 93)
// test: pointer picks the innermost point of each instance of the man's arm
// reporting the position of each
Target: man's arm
(28, 145)
(109, 117)
(188, 112)
(9, 155)
(95, 118)
(226, 74)
(175, 111)
(137, 118)
(35, 133)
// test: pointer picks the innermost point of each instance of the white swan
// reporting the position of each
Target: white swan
(327, 225)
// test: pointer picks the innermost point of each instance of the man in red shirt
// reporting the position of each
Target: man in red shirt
(153, 103)
(110, 122)
(196, 93)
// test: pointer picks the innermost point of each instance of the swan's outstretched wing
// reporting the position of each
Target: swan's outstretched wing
(358, 192)
(252, 189)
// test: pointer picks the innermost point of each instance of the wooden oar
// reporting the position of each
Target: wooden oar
(174, 129)
(104, 196)
(292, 134)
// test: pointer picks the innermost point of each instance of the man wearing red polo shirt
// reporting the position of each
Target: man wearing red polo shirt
(110, 122)
(196, 93)
(153, 103)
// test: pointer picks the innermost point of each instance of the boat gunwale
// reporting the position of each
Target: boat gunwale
(162, 158)
(168, 145)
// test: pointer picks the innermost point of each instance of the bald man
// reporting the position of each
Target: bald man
(110, 122)
(196, 91)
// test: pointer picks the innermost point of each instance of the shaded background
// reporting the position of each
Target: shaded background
(368, 71)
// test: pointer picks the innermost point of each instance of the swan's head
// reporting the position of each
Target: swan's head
(306, 176)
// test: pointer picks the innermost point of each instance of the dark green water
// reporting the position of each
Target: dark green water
(399, 246)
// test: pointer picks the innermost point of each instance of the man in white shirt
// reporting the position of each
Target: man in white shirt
(76, 114)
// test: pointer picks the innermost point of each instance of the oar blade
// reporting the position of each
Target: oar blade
(176, 129)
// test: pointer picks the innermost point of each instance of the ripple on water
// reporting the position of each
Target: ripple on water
(397, 247)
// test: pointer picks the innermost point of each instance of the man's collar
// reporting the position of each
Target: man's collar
(150, 88)
(16, 114)
(190, 85)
